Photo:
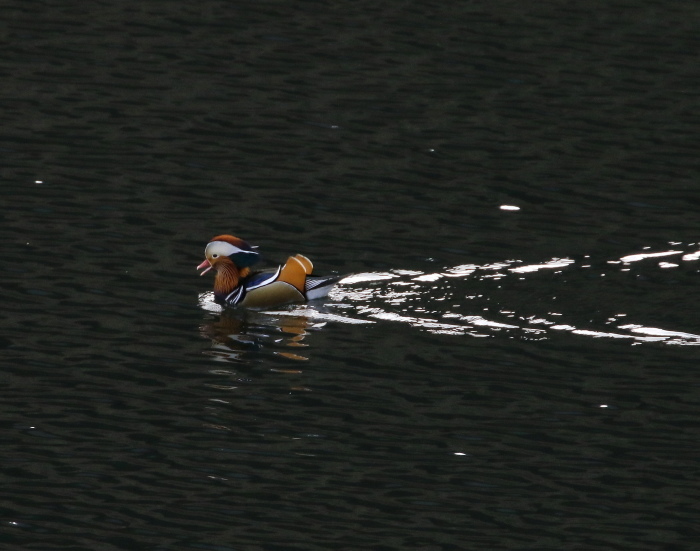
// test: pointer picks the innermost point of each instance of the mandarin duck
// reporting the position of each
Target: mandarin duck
(236, 284)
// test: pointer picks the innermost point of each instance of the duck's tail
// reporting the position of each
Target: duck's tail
(320, 286)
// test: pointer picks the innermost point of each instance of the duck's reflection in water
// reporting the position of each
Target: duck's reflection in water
(236, 333)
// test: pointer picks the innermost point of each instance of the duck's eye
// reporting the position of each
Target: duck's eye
(215, 255)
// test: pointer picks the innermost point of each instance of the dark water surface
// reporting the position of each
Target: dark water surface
(514, 362)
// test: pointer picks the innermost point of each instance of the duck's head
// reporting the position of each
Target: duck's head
(227, 251)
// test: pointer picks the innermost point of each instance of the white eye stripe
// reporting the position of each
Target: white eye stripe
(220, 248)
(223, 248)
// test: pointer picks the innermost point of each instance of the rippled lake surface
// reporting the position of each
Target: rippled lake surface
(512, 360)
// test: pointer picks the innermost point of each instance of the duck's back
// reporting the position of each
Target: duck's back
(287, 284)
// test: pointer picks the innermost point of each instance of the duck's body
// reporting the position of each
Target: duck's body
(236, 285)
